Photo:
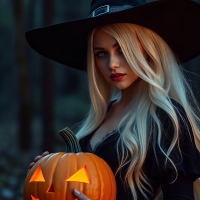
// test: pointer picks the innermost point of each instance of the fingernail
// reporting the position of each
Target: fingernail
(76, 191)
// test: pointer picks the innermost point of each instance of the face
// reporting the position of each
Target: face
(111, 61)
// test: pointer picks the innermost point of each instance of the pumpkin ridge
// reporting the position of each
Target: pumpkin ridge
(59, 176)
(56, 158)
(97, 167)
(33, 169)
(48, 157)
(61, 155)
(78, 155)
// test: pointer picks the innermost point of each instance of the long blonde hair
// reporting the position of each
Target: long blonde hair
(161, 80)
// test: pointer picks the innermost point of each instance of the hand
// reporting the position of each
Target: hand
(80, 195)
(36, 159)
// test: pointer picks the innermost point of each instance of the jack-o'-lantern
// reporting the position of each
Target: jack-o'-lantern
(55, 176)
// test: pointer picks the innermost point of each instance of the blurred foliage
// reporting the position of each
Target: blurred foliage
(70, 98)
(64, 77)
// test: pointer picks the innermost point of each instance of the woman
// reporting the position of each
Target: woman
(142, 110)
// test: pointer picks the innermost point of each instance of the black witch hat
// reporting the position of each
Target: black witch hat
(176, 21)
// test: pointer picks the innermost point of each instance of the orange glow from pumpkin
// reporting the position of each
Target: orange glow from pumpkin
(33, 198)
(81, 175)
(38, 175)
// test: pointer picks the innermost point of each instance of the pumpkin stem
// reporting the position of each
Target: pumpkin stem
(70, 140)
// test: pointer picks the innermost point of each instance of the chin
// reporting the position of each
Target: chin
(122, 87)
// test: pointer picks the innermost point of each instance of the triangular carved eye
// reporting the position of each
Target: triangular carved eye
(51, 189)
(37, 175)
(81, 175)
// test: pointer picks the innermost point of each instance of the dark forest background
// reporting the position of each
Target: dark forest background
(39, 97)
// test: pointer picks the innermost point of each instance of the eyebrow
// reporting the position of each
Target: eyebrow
(101, 48)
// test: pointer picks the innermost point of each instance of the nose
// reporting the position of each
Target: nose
(51, 189)
(114, 62)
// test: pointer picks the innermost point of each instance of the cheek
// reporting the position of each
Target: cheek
(132, 74)
(104, 73)
(101, 65)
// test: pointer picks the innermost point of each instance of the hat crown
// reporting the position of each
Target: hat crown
(98, 3)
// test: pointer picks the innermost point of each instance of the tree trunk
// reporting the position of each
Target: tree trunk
(48, 86)
(24, 89)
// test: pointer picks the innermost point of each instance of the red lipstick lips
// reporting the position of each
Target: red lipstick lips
(117, 76)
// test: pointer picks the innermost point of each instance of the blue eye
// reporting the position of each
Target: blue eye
(100, 54)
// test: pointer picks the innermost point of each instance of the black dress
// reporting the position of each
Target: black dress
(157, 172)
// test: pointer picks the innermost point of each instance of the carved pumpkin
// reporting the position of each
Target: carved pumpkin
(55, 176)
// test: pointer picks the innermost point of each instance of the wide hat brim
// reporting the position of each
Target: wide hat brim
(176, 21)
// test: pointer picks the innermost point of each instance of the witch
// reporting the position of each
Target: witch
(143, 119)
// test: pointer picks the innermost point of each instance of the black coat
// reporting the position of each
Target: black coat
(156, 171)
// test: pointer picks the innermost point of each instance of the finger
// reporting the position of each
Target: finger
(45, 153)
(80, 195)
(31, 165)
(37, 158)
